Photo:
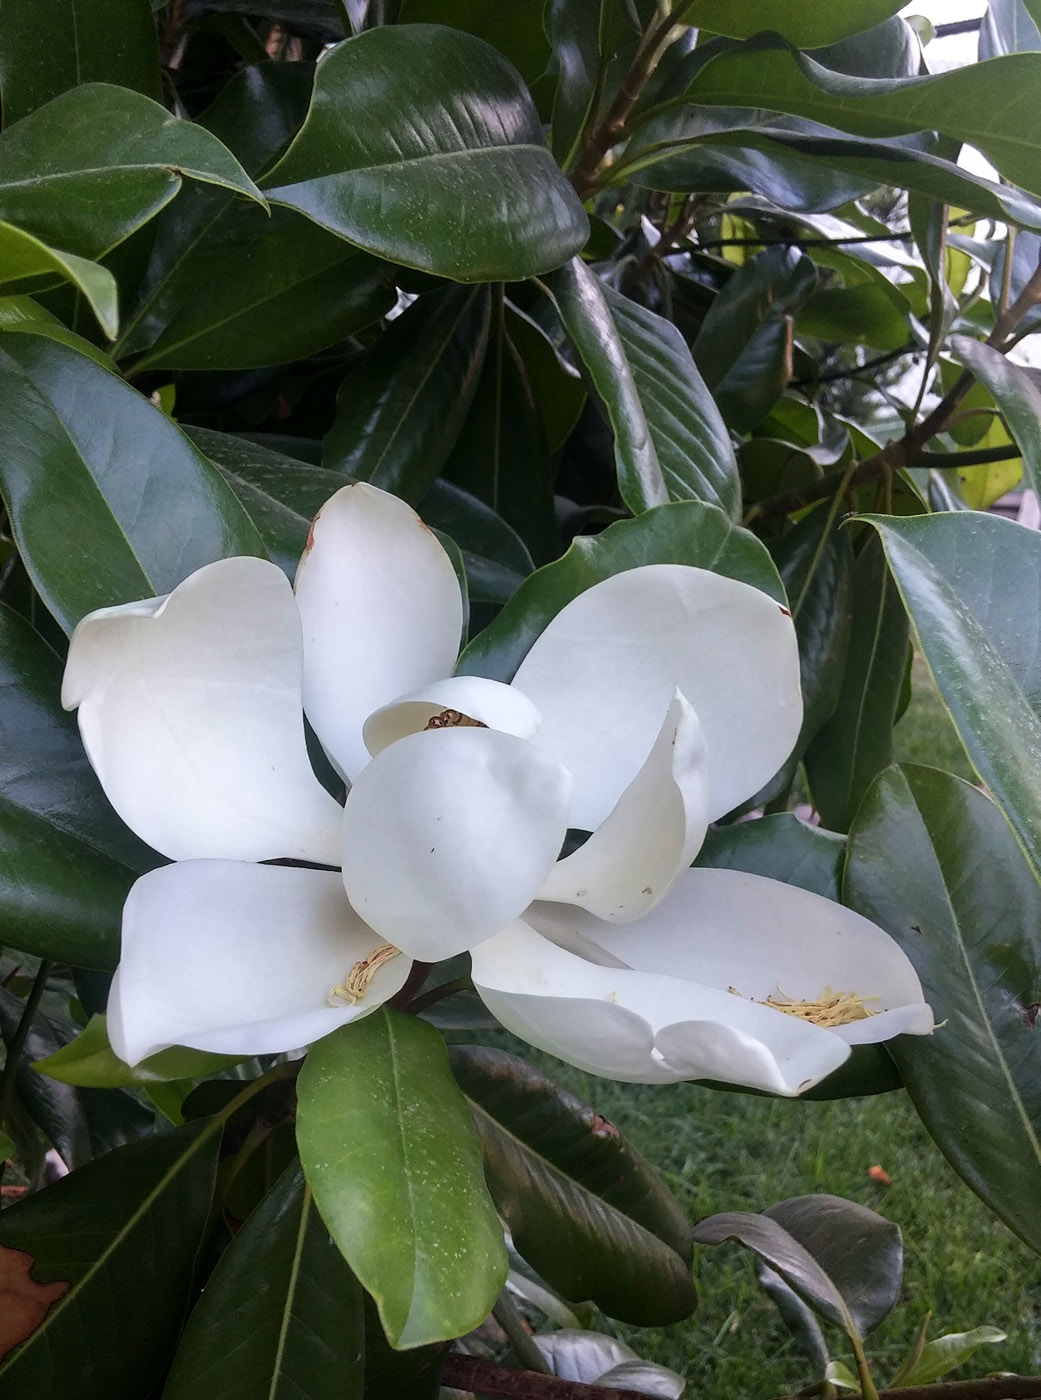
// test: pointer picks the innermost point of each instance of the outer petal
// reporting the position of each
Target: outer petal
(763, 938)
(449, 834)
(604, 672)
(631, 862)
(644, 1027)
(190, 712)
(238, 958)
(382, 614)
(493, 704)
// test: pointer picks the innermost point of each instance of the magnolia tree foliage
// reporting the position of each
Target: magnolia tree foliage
(475, 470)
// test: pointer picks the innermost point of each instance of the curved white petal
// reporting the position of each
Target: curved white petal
(239, 959)
(644, 1027)
(631, 862)
(605, 669)
(381, 610)
(764, 938)
(190, 712)
(493, 704)
(449, 834)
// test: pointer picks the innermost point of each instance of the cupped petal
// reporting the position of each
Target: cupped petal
(631, 862)
(449, 834)
(604, 671)
(190, 712)
(490, 703)
(644, 1027)
(761, 938)
(239, 959)
(381, 610)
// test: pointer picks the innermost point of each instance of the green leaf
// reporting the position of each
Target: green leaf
(392, 1158)
(479, 199)
(945, 1353)
(857, 742)
(868, 313)
(1015, 393)
(960, 103)
(515, 30)
(956, 573)
(582, 305)
(143, 505)
(283, 1284)
(113, 41)
(684, 532)
(555, 385)
(495, 557)
(126, 1226)
(6, 1146)
(690, 438)
(393, 1375)
(89, 1062)
(931, 860)
(114, 158)
(779, 847)
(399, 413)
(26, 264)
(576, 30)
(22, 313)
(584, 1208)
(808, 25)
(1007, 27)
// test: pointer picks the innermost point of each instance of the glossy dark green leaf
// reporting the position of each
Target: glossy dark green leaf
(684, 532)
(114, 159)
(26, 264)
(393, 1375)
(1016, 394)
(583, 1207)
(810, 24)
(399, 413)
(857, 742)
(580, 301)
(556, 386)
(864, 313)
(1007, 27)
(693, 445)
(577, 31)
(113, 41)
(495, 557)
(126, 1226)
(143, 505)
(779, 847)
(515, 30)
(932, 861)
(474, 198)
(283, 1284)
(956, 574)
(89, 1062)
(391, 1155)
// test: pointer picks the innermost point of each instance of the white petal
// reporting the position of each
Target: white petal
(240, 959)
(190, 711)
(382, 614)
(604, 671)
(644, 1027)
(763, 938)
(449, 834)
(493, 704)
(631, 862)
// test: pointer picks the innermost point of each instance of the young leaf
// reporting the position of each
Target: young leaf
(945, 1353)
(89, 1062)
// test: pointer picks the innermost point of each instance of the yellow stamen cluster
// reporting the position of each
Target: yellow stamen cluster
(359, 979)
(453, 719)
(830, 1009)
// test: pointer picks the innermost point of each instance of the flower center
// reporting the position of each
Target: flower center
(828, 1010)
(359, 979)
(453, 719)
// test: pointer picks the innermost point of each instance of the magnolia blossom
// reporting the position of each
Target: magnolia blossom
(652, 704)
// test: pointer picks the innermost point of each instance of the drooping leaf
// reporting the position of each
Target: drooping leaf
(283, 1284)
(114, 158)
(89, 1062)
(144, 507)
(126, 1226)
(684, 532)
(922, 863)
(475, 197)
(392, 1158)
(808, 25)
(26, 264)
(1016, 394)
(583, 1207)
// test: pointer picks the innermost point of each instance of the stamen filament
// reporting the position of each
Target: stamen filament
(830, 1009)
(359, 979)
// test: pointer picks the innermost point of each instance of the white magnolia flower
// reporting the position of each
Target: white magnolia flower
(652, 704)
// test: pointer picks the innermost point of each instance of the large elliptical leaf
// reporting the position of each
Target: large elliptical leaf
(931, 861)
(1015, 392)
(85, 458)
(283, 1284)
(392, 1158)
(808, 24)
(448, 171)
(683, 532)
(26, 264)
(113, 159)
(982, 653)
(584, 1208)
(126, 1226)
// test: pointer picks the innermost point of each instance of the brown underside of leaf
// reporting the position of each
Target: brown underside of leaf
(23, 1301)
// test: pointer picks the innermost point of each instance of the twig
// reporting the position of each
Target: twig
(796, 240)
(958, 26)
(832, 375)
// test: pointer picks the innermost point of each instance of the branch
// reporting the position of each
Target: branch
(854, 370)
